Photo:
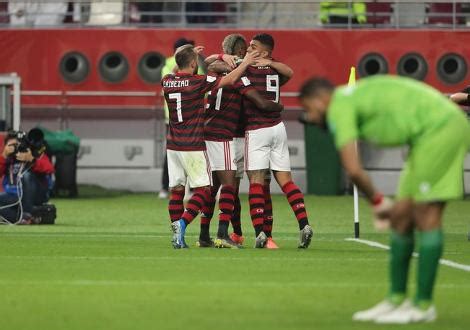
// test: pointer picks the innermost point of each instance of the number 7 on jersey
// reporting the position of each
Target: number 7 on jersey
(177, 97)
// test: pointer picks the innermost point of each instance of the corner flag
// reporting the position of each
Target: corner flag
(352, 82)
(352, 77)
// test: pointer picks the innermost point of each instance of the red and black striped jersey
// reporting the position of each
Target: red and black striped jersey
(185, 96)
(266, 81)
(224, 115)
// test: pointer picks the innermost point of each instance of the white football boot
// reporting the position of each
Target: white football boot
(371, 314)
(407, 313)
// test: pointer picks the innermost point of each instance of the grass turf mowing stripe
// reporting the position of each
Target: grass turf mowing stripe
(445, 262)
(137, 282)
(191, 257)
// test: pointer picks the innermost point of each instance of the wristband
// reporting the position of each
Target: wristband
(377, 199)
(221, 57)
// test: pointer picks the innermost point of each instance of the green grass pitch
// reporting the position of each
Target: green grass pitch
(108, 264)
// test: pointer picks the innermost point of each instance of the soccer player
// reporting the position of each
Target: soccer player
(170, 66)
(395, 111)
(266, 142)
(223, 63)
(223, 132)
(184, 93)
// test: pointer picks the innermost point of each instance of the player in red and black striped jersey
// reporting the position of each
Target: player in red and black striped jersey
(234, 46)
(266, 142)
(224, 128)
(184, 93)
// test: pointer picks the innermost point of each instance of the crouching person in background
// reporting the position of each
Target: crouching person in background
(27, 177)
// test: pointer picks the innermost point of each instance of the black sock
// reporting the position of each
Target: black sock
(223, 229)
(258, 229)
(236, 223)
(204, 235)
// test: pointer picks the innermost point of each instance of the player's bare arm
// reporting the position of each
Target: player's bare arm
(230, 60)
(233, 76)
(219, 67)
(284, 70)
(262, 103)
(460, 98)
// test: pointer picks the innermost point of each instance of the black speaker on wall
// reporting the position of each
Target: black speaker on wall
(372, 64)
(74, 67)
(113, 67)
(451, 68)
(412, 65)
(150, 67)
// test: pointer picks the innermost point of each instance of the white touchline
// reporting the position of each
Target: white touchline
(446, 262)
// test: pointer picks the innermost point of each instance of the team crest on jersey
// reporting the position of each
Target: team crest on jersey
(211, 78)
(246, 81)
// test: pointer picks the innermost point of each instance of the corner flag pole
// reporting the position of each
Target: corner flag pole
(352, 82)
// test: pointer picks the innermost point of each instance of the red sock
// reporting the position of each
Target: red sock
(268, 211)
(207, 212)
(226, 201)
(256, 201)
(236, 223)
(195, 204)
(296, 201)
(175, 205)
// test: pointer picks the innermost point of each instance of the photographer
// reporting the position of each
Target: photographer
(26, 172)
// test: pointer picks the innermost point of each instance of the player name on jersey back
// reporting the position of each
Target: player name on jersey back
(176, 83)
(266, 81)
(184, 94)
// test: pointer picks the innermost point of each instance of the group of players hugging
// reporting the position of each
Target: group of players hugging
(385, 110)
(222, 125)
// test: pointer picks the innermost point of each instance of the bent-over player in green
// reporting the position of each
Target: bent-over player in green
(394, 111)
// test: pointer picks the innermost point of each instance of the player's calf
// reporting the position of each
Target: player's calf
(296, 200)
(236, 217)
(226, 206)
(207, 212)
(193, 208)
(268, 209)
(256, 201)
(195, 204)
(175, 203)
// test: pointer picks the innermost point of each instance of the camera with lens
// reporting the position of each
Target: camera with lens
(33, 140)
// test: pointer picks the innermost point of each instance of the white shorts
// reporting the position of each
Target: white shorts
(192, 166)
(226, 155)
(240, 155)
(266, 148)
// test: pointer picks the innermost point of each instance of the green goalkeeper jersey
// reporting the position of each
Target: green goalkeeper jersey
(387, 111)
